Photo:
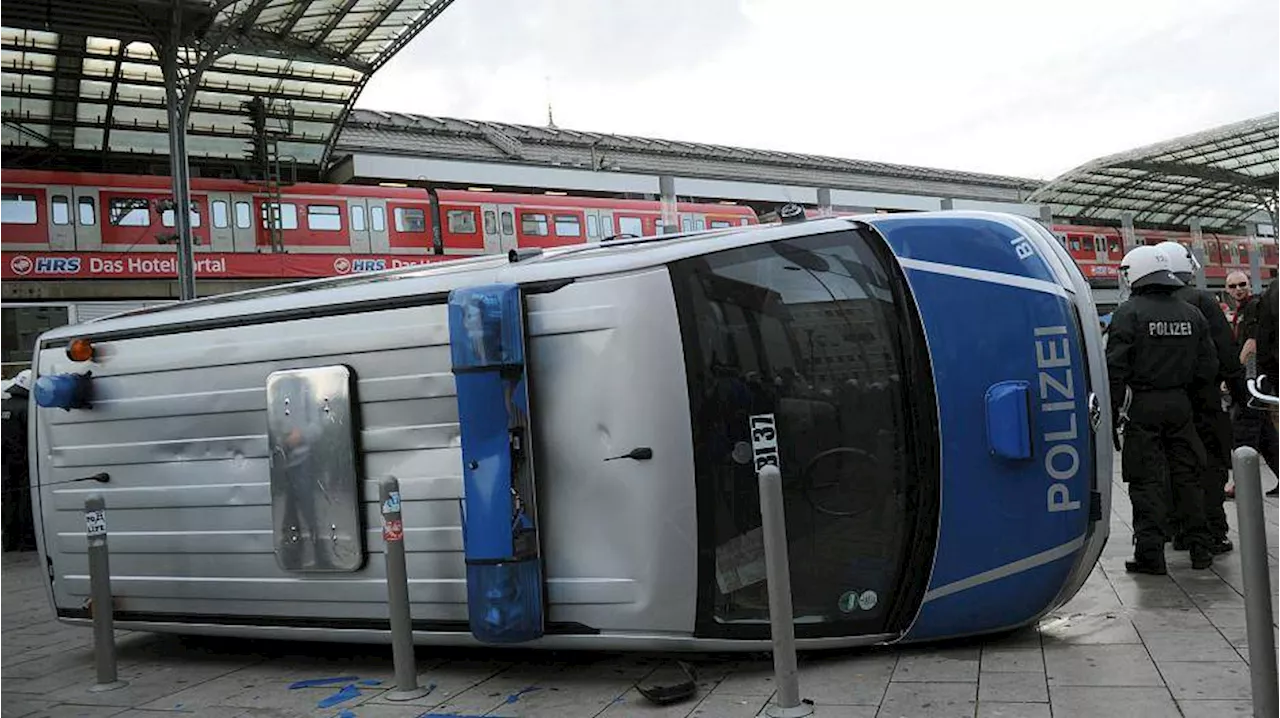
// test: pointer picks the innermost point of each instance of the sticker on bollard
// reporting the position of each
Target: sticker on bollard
(393, 530)
(95, 523)
(392, 504)
(764, 441)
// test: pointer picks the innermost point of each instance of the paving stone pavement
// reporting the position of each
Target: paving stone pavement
(1124, 646)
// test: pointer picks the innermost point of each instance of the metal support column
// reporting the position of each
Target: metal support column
(670, 215)
(1197, 249)
(1255, 261)
(824, 202)
(1127, 235)
(180, 173)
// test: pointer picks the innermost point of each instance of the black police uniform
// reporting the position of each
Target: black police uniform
(1160, 347)
(1213, 425)
(18, 525)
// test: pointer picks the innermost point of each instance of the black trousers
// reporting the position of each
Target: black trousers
(1213, 426)
(1162, 451)
(1253, 427)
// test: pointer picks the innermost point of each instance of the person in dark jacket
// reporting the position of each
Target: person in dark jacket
(1160, 350)
(1249, 425)
(1212, 423)
(18, 524)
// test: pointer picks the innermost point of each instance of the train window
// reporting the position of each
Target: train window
(378, 219)
(719, 224)
(568, 225)
(130, 212)
(1087, 243)
(743, 222)
(167, 219)
(630, 225)
(593, 226)
(699, 225)
(1113, 245)
(1242, 250)
(288, 218)
(811, 331)
(243, 215)
(88, 211)
(357, 218)
(18, 208)
(410, 220)
(61, 209)
(1074, 244)
(1215, 252)
(221, 219)
(462, 221)
(686, 224)
(490, 222)
(534, 224)
(324, 218)
(508, 224)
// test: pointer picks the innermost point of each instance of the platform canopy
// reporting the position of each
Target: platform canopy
(1223, 177)
(85, 76)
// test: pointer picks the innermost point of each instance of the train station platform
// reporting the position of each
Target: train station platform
(1140, 646)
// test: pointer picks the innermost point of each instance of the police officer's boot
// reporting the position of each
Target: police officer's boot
(1201, 557)
(1148, 560)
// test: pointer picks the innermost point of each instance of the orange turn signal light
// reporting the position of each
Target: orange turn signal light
(80, 350)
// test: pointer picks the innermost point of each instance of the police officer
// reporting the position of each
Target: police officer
(1213, 425)
(1159, 348)
(18, 526)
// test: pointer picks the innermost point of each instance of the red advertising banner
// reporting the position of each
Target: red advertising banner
(149, 265)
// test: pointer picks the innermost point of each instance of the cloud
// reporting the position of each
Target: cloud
(1017, 88)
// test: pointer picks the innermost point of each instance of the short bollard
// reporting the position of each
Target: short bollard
(1257, 580)
(778, 575)
(398, 595)
(104, 637)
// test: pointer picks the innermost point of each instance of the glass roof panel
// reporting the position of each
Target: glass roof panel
(305, 58)
(1222, 176)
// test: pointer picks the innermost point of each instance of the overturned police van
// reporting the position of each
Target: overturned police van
(576, 434)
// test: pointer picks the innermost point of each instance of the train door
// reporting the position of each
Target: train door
(492, 233)
(62, 230)
(595, 228)
(506, 223)
(88, 231)
(222, 234)
(1100, 248)
(243, 238)
(379, 236)
(606, 224)
(358, 224)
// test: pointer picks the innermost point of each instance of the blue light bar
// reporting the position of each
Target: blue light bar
(499, 530)
(63, 391)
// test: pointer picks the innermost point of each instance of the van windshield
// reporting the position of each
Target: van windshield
(817, 333)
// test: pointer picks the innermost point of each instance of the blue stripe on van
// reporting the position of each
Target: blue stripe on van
(964, 242)
(995, 512)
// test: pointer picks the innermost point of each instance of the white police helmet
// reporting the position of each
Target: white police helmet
(22, 380)
(1146, 267)
(1181, 259)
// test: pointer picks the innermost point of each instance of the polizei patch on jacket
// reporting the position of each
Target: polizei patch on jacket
(1169, 329)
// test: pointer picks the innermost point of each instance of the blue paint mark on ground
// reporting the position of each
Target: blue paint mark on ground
(348, 692)
(516, 696)
(371, 682)
(347, 713)
(315, 682)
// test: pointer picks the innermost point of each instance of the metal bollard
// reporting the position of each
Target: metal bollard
(398, 595)
(1257, 580)
(104, 636)
(778, 575)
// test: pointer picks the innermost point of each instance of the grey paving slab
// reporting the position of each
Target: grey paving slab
(1121, 665)
(1097, 702)
(76, 711)
(859, 680)
(633, 705)
(1198, 681)
(996, 709)
(1194, 644)
(753, 678)
(929, 700)
(998, 659)
(1215, 709)
(16, 705)
(1083, 628)
(838, 711)
(948, 664)
(729, 706)
(1013, 687)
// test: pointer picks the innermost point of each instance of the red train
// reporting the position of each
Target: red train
(80, 225)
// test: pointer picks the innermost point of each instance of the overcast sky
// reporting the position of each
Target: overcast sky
(1023, 88)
